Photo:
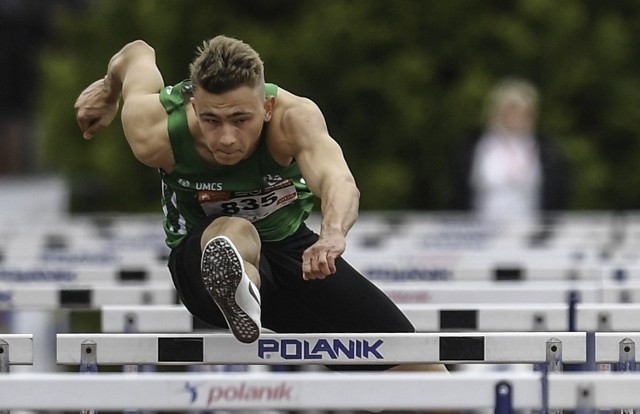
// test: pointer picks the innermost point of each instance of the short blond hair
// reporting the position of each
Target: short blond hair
(511, 90)
(224, 63)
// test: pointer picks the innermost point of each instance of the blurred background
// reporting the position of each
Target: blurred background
(402, 83)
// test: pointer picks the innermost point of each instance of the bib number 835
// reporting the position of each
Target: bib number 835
(248, 204)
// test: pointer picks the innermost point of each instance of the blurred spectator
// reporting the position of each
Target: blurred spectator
(509, 170)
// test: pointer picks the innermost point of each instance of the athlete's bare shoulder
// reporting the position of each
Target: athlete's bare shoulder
(292, 112)
(295, 121)
(286, 101)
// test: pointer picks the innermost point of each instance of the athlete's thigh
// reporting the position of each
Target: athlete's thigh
(343, 302)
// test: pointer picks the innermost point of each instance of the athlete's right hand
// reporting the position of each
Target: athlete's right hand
(95, 108)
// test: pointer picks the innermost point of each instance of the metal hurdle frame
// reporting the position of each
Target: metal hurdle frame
(48, 296)
(550, 292)
(544, 349)
(260, 391)
(501, 391)
(480, 317)
(451, 348)
(324, 349)
(15, 349)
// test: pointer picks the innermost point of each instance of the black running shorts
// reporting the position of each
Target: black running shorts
(345, 302)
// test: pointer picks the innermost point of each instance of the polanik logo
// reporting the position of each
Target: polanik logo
(243, 392)
(322, 349)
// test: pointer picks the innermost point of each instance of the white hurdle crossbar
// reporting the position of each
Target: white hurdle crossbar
(15, 349)
(287, 391)
(587, 317)
(49, 296)
(482, 317)
(325, 349)
(69, 273)
(461, 292)
(617, 347)
(588, 391)
(146, 319)
(329, 391)
(488, 317)
(616, 317)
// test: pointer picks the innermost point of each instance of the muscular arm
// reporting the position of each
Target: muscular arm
(328, 176)
(132, 75)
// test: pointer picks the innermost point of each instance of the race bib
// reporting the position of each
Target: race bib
(251, 205)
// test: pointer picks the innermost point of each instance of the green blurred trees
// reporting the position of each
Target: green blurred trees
(400, 83)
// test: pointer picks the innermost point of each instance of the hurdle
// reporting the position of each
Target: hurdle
(54, 301)
(586, 392)
(617, 348)
(147, 319)
(584, 317)
(51, 296)
(75, 242)
(417, 264)
(425, 317)
(325, 349)
(615, 317)
(36, 273)
(259, 391)
(588, 317)
(318, 391)
(511, 292)
(400, 292)
(137, 239)
(55, 295)
(15, 349)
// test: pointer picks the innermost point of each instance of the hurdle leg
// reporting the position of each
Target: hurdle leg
(131, 326)
(574, 299)
(585, 403)
(590, 364)
(627, 362)
(504, 398)
(553, 364)
(627, 352)
(88, 362)
(604, 325)
(4, 362)
(88, 357)
(4, 356)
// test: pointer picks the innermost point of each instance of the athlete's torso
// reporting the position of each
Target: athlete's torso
(274, 198)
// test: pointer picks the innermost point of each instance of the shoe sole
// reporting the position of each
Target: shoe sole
(222, 273)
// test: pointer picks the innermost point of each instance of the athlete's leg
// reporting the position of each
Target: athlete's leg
(343, 302)
(186, 263)
(230, 259)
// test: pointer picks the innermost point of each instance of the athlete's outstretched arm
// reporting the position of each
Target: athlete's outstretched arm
(327, 174)
(132, 75)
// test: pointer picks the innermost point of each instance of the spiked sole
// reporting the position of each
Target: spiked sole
(222, 274)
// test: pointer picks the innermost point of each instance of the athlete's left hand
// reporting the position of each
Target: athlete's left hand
(319, 260)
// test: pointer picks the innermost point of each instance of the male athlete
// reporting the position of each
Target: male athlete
(242, 163)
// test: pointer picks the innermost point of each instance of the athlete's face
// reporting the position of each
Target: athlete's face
(231, 122)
